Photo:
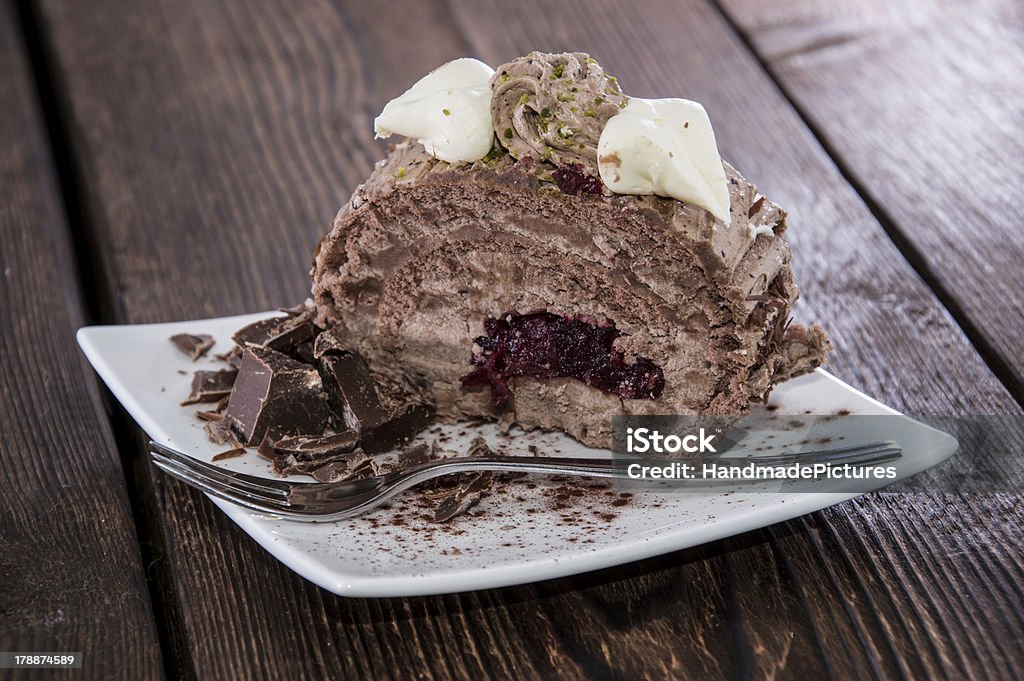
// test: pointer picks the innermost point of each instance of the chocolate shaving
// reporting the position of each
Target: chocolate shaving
(318, 447)
(463, 499)
(359, 466)
(229, 454)
(288, 463)
(195, 346)
(210, 386)
(479, 447)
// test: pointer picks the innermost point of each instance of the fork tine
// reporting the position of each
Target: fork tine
(250, 482)
(268, 506)
(239, 488)
(203, 487)
(224, 491)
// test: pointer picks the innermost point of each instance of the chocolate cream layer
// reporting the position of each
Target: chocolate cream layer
(425, 251)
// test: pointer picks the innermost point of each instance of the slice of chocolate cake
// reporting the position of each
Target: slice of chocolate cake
(520, 286)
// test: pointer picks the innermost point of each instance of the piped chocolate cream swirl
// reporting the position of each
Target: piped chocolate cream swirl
(553, 107)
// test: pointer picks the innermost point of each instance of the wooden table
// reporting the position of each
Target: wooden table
(169, 160)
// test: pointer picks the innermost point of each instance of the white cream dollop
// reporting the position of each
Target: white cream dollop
(664, 147)
(448, 111)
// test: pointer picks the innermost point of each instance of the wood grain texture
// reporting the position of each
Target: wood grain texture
(219, 142)
(922, 102)
(71, 577)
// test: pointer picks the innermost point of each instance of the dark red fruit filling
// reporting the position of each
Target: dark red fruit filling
(572, 180)
(547, 345)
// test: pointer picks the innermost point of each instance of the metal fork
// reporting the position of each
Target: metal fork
(320, 502)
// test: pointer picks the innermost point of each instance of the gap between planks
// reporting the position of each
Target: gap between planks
(98, 301)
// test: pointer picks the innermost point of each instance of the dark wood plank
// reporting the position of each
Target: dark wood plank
(210, 124)
(922, 104)
(71, 577)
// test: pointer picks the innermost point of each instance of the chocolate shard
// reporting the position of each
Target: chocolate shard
(479, 447)
(257, 333)
(266, 446)
(303, 446)
(193, 345)
(210, 386)
(218, 430)
(275, 392)
(351, 391)
(463, 498)
(222, 404)
(359, 466)
(406, 422)
(232, 356)
(283, 334)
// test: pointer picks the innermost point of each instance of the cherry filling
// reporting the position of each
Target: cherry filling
(572, 180)
(547, 345)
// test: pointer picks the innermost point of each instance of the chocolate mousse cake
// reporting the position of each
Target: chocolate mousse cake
(589, 264)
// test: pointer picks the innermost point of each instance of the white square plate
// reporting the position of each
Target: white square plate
(524, 531)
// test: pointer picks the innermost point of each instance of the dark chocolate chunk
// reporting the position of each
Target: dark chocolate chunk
(195, 346)
(463, 498)
(407, 422)
(359, 466)
(351, 391)
(303, 446)
(277, 333)
(275, 392)
(210, 386)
